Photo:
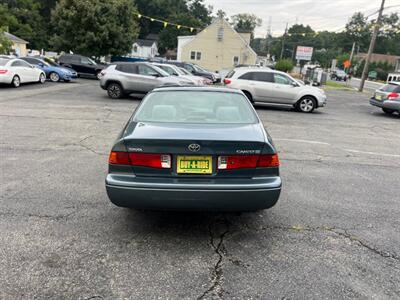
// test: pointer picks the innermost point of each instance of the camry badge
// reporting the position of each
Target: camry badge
(194, 147)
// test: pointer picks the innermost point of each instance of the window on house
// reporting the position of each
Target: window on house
(220, 34)
(235, 60)
(195, 55)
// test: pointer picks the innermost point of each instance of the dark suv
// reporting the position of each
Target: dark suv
(81, 64)
(194, 69)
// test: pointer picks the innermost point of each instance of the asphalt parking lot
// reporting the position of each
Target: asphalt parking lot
(334, 233)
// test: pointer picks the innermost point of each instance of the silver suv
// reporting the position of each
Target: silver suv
(122, 79)
(270, 86)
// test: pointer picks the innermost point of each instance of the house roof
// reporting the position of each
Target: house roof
(14, 38)
(152, 36)
(145, 43)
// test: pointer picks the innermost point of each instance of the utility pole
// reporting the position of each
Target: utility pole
(352, 53)
(283, 41)
(371, 47)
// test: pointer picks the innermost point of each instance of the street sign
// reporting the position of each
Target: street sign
(304, 53)
(347, 64)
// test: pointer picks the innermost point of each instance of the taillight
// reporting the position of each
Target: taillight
(268, 161)
(248, 161)
(393, 96)
(119, 158)
(161, 161)
(3, 71)
(227, 81)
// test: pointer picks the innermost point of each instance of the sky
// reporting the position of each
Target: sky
(329, 15)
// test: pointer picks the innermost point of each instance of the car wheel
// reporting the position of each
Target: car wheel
(114, 90)
(249, 96)
(388, 111)
(42, 78)
(98, 75)
(306, 105)
(54, 77)
(16, 82)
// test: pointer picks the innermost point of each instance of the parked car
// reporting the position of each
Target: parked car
(270, 86)
(194, 70)
(339, 75)
(127, 78)
(387, 98)
(53, 70)
(15, 71)
(176, 71)
(217, 76)
(83, 65)
(194, 148)
(206, 80)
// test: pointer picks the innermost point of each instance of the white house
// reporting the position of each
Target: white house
(219, 47)
(144, 49)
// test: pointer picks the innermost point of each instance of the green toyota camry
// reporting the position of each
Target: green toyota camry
(194, 148)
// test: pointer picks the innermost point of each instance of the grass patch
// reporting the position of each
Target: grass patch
(333, 85)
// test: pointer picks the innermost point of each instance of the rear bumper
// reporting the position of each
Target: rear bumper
(377, 103)
(5, 78)
(390, 104)
(172, 194)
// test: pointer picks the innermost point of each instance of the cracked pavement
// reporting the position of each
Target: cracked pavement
(335, 232)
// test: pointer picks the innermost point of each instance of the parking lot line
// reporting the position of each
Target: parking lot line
(303, 141)
(372, 153)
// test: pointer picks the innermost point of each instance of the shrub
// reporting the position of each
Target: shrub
(284, 65)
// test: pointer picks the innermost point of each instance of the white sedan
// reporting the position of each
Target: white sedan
(176, 71)
(15, 71)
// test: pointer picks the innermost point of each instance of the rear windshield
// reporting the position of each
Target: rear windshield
(391, 88)
(230, 74)
(3, 61)
(206, 107)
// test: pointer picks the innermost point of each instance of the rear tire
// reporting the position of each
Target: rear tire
(306, 104)
(54, 77)
(16, 81)
(388, 111)
(114, 90)
(42, 78)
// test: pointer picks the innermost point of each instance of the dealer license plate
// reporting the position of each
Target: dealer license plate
(194, 164)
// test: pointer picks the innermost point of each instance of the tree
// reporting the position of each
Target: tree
(5, 43)
(94, 28)
(246, 22)
(24, 20)
(199, 11)
(221, 14)
(192, 13)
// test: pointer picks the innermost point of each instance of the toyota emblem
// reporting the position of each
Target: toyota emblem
(194, 147)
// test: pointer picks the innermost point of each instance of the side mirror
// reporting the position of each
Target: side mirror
(294, 84)
(41, 65)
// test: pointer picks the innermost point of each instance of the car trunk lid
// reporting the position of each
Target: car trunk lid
(195, 141)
